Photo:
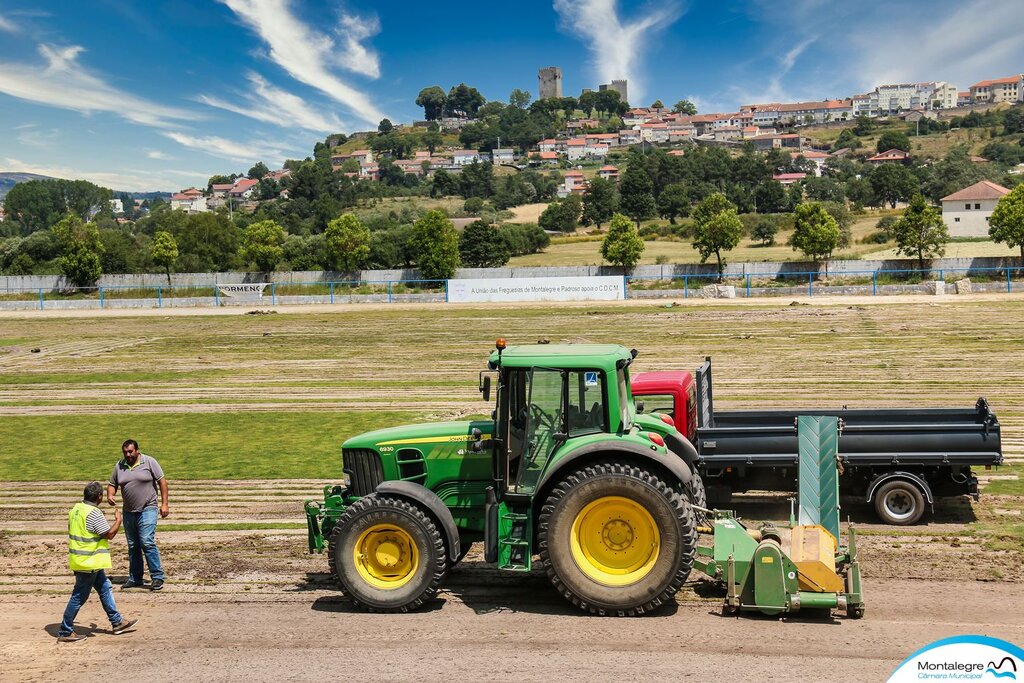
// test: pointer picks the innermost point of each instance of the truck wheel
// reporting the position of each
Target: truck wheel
(616, 539)
(899, 502)
(387, 554)
(698, 496)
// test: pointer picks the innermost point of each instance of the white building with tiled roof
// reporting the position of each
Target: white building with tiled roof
(966, 212)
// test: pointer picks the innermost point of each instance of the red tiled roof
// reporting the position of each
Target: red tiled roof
(574, 174)
(221, 187)
(986, 189)
(809, 154)
(548, 155)
(996, 81)
(243, 184)
(609, 167)
(789, 176)
(889, 154)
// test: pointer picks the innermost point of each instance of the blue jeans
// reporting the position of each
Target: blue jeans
(84, 583)
(140, 531)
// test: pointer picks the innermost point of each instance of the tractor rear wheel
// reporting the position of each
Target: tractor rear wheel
(616, 539)
(697, 495)
(388, 554)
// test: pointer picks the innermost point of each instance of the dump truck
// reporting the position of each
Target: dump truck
(899, 460)
(560, 471)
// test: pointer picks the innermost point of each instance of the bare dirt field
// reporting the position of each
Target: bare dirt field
(245, 601)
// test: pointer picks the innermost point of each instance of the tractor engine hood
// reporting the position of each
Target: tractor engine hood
(434, 433)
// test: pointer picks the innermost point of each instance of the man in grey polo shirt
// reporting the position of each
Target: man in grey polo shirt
(140, 477)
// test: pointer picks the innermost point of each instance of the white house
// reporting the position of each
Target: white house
(465, 157)
(243, 188)
(966, 212)
(576, 149)
(573, 183)
(190, 201)
(117, 206)
(503, 156)
(629, 136)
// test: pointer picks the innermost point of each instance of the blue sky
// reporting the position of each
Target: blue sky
(163, 93)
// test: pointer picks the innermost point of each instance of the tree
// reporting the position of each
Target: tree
(920, 231)
(463, 100)
(1013, 121)
(433, 100)
(562, 216)
(346, 244)
(685, 107)
(765, 230)
(657, 104)
(520, 99)
(622, 246)
(258, 171)
(770, 197)
(481, 245)
(164, 252)
(846, 140)
(716, 228)
(385, 126)
(864, 125)
(674, 201)
(262, 244)
(1007, 221)
(435, 245)
(39, 204)
(477, 180)
(599, 202)
(473, 206)
(816, 233)
(80, 249)
(432, 138)
(893, 139)
(636, 193)
(892, 183)
(206, 241)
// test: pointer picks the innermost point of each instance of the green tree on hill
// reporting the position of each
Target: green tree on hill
(892, 183)
(164, 252)
(258, 170)
(716, 228)
(262, 244)
(674, 201)
(893, 139)
(636, 193)
(622, 246)
(685, 107)
(816, 233)
(347, 244)
(520, 99)
(920, 231)
(80, 250)
(1006, 224)
(433, 100)
(599, 202)
(435, 244)
(482, 245)
(563, 215)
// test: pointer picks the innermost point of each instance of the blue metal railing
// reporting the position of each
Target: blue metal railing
(750, 284)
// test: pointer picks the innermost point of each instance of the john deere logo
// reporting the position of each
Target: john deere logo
(997, 669)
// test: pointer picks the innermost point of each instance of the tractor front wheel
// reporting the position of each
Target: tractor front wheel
(388, 554)
(616, 539)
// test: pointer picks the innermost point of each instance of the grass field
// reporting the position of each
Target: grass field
(273, 396)
(574, 252)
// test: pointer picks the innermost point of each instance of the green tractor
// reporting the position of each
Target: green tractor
(564, 469)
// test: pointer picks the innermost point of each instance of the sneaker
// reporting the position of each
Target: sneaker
(130, 584)
(157, 585)
(70, 638)
(124, 625)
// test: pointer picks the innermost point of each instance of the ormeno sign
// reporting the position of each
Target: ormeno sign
(595, 288)
(253, 290)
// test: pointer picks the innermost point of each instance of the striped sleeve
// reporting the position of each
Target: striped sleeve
(96, 523)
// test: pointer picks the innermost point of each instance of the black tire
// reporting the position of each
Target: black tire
(899, 502)
(855, 612)
(425, 539)
(697, 495)
(667, 507)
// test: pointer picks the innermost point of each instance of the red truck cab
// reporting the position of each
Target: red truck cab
(671, 391)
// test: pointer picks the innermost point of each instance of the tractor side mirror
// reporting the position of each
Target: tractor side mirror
(485, 386)
(639, 406)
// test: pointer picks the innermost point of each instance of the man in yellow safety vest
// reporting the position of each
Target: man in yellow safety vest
(89, 534)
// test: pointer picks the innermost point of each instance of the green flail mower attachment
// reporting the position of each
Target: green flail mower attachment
(778, 570)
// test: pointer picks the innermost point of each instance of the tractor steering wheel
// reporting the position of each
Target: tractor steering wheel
(540, 416)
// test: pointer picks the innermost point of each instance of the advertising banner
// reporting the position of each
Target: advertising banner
(595, 288)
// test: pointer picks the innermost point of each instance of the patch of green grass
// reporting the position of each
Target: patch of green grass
(109, 377)
(232, 445)
(1006, 487)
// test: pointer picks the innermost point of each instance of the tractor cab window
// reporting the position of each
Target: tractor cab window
(586, 402)
(544, 419)
(625, 397)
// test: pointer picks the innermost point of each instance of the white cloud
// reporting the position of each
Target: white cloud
(617, 45)
(128, 180)
(306, 54)
(35, 137)
(7, 25)
(267, 103)
(241, 152)
(975, 40)
(158, 155)
(64, 83)
(357, 57)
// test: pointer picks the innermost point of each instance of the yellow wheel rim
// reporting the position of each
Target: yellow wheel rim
(385, 556)
(615, 541)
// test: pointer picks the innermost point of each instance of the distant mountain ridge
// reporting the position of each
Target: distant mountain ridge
(9, 180)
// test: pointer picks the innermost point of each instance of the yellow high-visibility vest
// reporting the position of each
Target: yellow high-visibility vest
(86, 551)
